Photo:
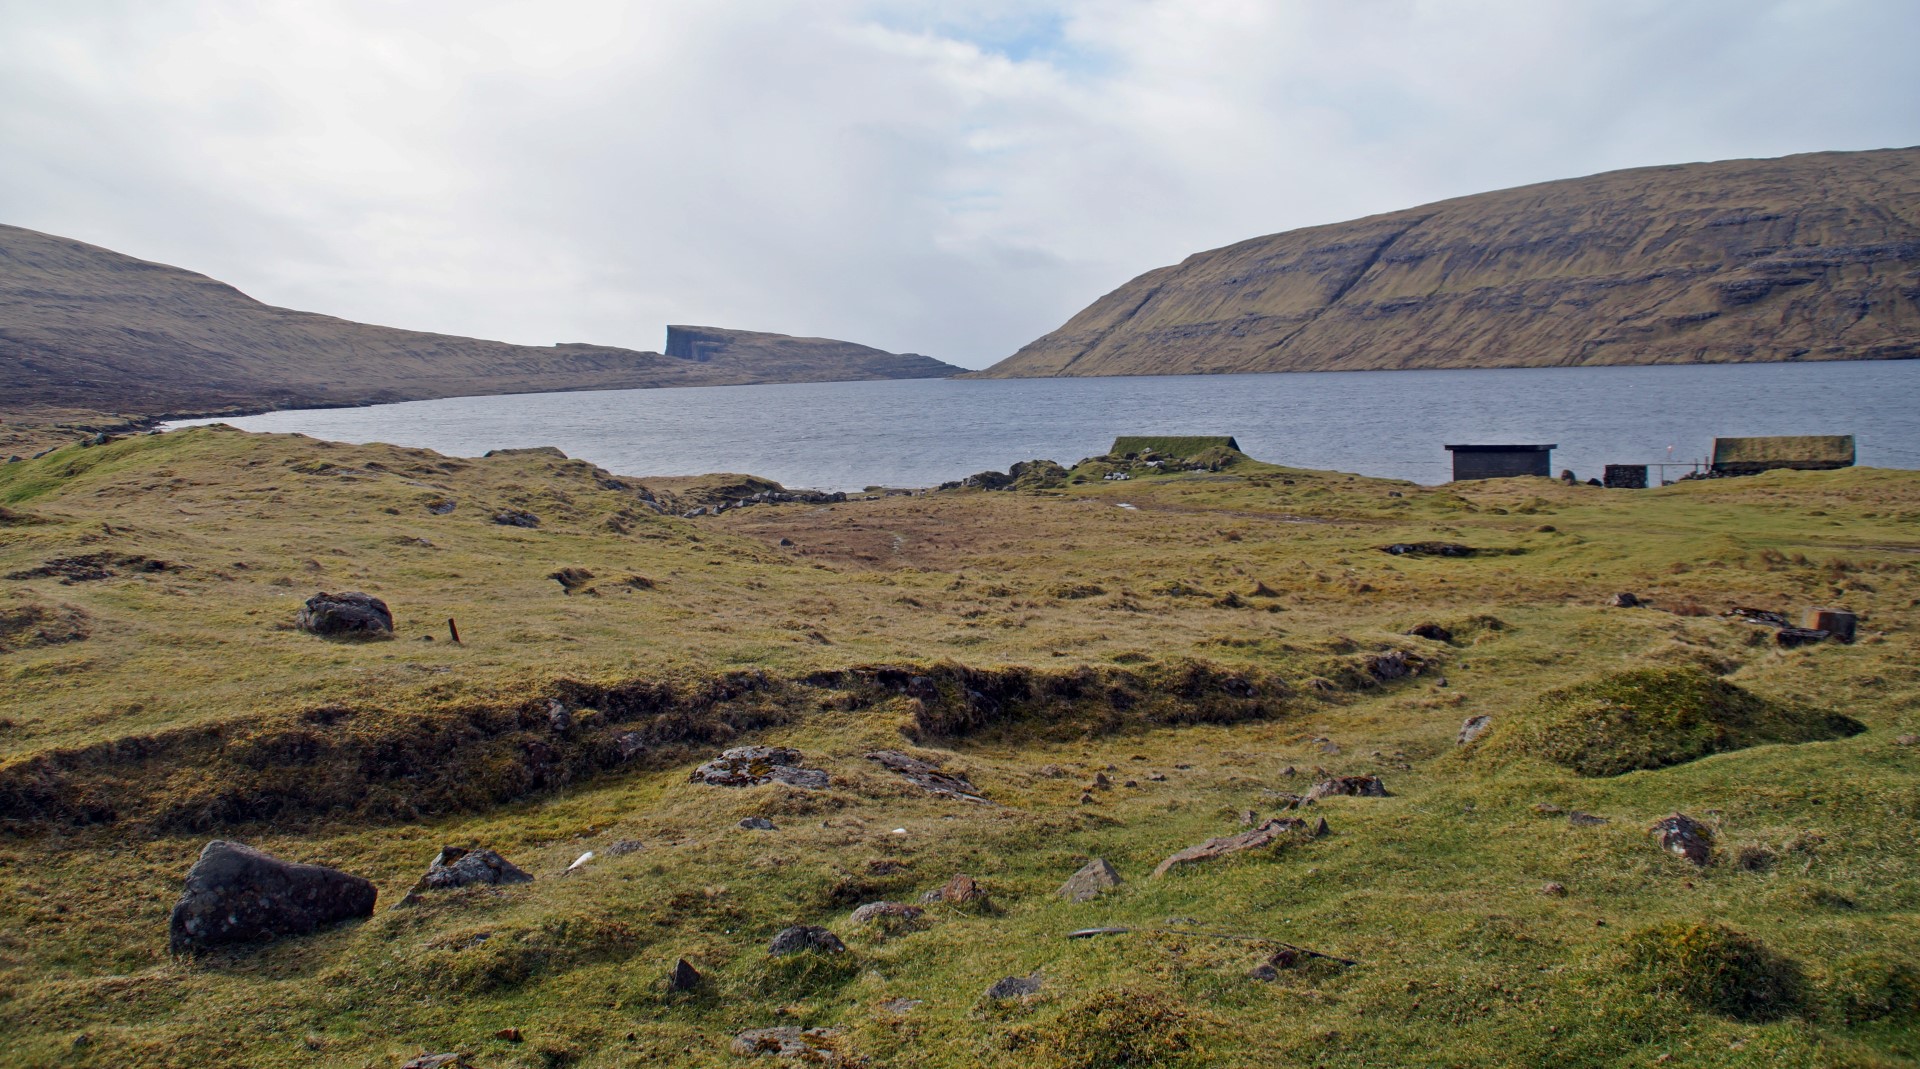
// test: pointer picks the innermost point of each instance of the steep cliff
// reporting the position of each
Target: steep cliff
(1811, 257)
(86, 327)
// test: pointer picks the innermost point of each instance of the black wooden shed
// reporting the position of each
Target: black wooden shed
(1501, 461)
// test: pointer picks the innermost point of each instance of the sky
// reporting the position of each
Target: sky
(954, 179)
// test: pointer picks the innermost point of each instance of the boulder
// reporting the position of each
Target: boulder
(236, 894)
(1389, 666)
(805, 937)
(516, 518)
(1356, 786)
(1095, 878)
(749, 766)
(1684, 837)
(1013, 987)
(1268, 833)
(757, 824)
(1431, 631)
(348, 613)
(960, 890)
(458, 867)
(1624, 600)
(1586, 820)
(1473, 728)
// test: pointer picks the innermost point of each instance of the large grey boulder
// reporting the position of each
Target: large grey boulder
(236, 894)
(749, 766)
(349, 613)
(805, 937)
(1094, 878)
(458, 867)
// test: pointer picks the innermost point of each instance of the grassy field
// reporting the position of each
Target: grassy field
(1209, 643)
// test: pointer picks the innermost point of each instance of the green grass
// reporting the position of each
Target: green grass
(1096, 637)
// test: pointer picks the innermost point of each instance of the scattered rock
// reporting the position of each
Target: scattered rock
(442, 506)
(960, 890)
(902, 1006)
(1432, 631)
(1100, 782)
(630, 744)
(1788, 638)
(1555, 889)
(1586, 820)
(236, 894)
(886, 912)
(805, 937)
(571, 579)
(1428, 549)
(749, 766)
(1095, 878)
(1266, 834)
(511, 1035)
(809, 1046)
(683, 976)
(350, 613)
(1269, 970)
(1473, 728)
(436, 1061)
(1014, 987)
(1086, 798)
(1763, 617)
(1547, 809)
(1625, 600)
(457, 867)
(1356, 786)
(925, 776)
(623, 847)
(1906, 740)
(1684, 837)
(516, 518)
(757, 824)
(559, 717)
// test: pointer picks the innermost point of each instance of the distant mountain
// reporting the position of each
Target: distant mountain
(86, 327)
(778, 354)
(1811, 257)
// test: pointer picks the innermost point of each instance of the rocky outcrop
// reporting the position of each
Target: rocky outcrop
(1094, 879)
(1804, 257)
(458, 867)
(236, 894)
(750, 766)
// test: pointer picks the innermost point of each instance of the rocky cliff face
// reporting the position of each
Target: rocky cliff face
(1812, 257)
(779, 351)
(86, 327)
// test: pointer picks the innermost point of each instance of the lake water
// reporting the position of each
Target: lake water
(921, 432)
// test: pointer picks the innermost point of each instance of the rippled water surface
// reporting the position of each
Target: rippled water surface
(849, 435)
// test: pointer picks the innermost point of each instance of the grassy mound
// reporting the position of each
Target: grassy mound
(1715, 968)
(1656, 717)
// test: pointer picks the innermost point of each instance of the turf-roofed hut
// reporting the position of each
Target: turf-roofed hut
(1802, 452)
(1171, 445)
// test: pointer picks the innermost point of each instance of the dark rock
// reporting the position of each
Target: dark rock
(348, 613)
(516, 518)
(236, 894)
(1013, 987)
(442, 506)
(1095, 878)
(683, 976)
(630, 744)
(886, 913)
(1794, 637)
(1684, 837)
(1266, 834)
(1473, 728)
(961, 890)
(1585, 820)
(757, 824)
(805, 937)
(559, 717)
(748, 766)
(457, 867)
(571, 579)
(988, 480)
(1763, 617)
(1432, 631)
(1839, 624)
(1388, 666)
(1625, 600)
(1428, 549)
(1356, 786)
(785, 543)
(925, 776)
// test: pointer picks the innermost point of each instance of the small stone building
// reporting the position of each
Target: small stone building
(1803, 452)
(1501, 461)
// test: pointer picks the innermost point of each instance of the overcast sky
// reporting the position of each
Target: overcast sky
(945, 178)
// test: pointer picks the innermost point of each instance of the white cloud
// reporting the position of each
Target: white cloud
(900, 173)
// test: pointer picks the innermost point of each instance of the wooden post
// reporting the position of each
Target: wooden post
(453, 630)
(1837, 623)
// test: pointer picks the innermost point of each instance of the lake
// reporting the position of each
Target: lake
(921, 432)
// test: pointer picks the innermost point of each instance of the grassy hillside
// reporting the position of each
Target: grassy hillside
(85, 326)
(1116, 682)
(1810, 257)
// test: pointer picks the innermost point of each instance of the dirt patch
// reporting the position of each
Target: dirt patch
(91, 567)
(26, 626)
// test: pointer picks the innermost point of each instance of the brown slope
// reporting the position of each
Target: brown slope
(783, 354)
(1811, 257)
(86, 327)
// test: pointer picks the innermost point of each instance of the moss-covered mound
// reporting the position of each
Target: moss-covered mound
(1656, 717)
(1713, 968)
